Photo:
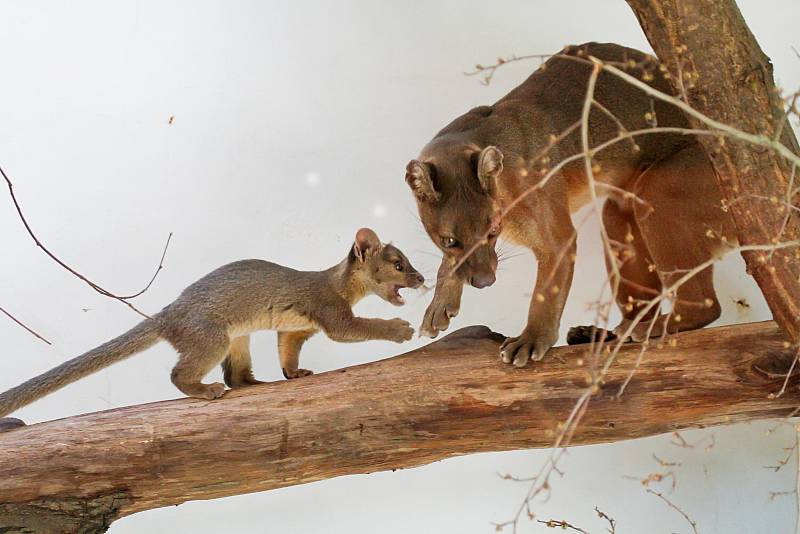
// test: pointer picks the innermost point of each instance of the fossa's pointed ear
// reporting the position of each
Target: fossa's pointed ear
(367, 242)
(419, 177)
(490, 165)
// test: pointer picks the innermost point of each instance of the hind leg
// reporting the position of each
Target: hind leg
(685, 198)
(639, 281)
(198, 356)
(237, 367)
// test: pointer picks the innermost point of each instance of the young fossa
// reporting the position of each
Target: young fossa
(482, 161)
(211, 320)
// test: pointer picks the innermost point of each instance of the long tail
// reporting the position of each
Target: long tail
(137, 339)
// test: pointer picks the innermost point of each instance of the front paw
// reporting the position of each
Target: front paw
(437, 317)
(399, 330)
(289, 374)
(528, 345)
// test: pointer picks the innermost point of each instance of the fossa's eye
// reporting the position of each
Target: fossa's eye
(449, 242)
(398, 266)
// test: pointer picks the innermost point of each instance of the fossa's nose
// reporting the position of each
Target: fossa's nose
(482, 280)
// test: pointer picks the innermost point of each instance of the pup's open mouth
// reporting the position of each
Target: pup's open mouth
(395, 297)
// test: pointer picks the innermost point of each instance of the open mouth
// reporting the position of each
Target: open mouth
(395, 297)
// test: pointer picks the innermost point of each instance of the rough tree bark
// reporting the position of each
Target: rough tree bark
(709, 49)
(449, 398)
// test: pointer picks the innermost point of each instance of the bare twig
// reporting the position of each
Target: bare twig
(563, 525)
(489, 70)
(781, 463)
(122, 298)
(23, 325)
(612, 523)
(656, 477)
(672, 505)
(788, 375)
(773, 494)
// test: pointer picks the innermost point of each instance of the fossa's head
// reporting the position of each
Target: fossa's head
(457, 201)
(382, 268)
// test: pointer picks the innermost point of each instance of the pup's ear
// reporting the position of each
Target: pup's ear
(367, 242)
(490, 165)
(419, 177)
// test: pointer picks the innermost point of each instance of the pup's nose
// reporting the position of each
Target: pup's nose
(482, 280)
(420, 279)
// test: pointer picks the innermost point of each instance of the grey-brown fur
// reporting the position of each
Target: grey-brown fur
(481, 162)
(211, 320)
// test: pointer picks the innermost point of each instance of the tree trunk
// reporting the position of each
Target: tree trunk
(710, 51)
(449, 398)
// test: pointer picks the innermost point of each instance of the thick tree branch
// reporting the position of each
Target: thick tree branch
(718, 67)
(449, 398)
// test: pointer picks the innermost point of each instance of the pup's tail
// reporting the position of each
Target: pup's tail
(137, 339)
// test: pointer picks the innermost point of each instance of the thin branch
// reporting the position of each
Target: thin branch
(589, 168)
(671, 505)
(642, 350)
(122, 298)
(23, 325)
(488, 71)
(563, 525)
(788, 375)
(612, 523)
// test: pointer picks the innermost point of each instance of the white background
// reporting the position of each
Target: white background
(293, 122)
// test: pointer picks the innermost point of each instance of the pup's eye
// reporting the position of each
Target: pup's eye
(398, 266)
(449, 242)
(494, 230)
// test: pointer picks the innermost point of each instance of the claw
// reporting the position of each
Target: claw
(520, 350)
(522, 357)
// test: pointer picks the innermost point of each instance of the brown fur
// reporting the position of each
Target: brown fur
(211, 320)
(482, 161)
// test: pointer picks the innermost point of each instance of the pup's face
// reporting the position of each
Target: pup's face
(457, 206)
(386, 270)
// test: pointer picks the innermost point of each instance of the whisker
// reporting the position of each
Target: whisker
(512, 256)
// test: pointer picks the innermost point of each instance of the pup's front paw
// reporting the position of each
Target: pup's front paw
(528, 345)
(399, 330)
(437, 317)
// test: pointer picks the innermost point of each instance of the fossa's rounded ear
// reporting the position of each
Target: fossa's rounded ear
(490, 165)
(367, 242)
(419, 177)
